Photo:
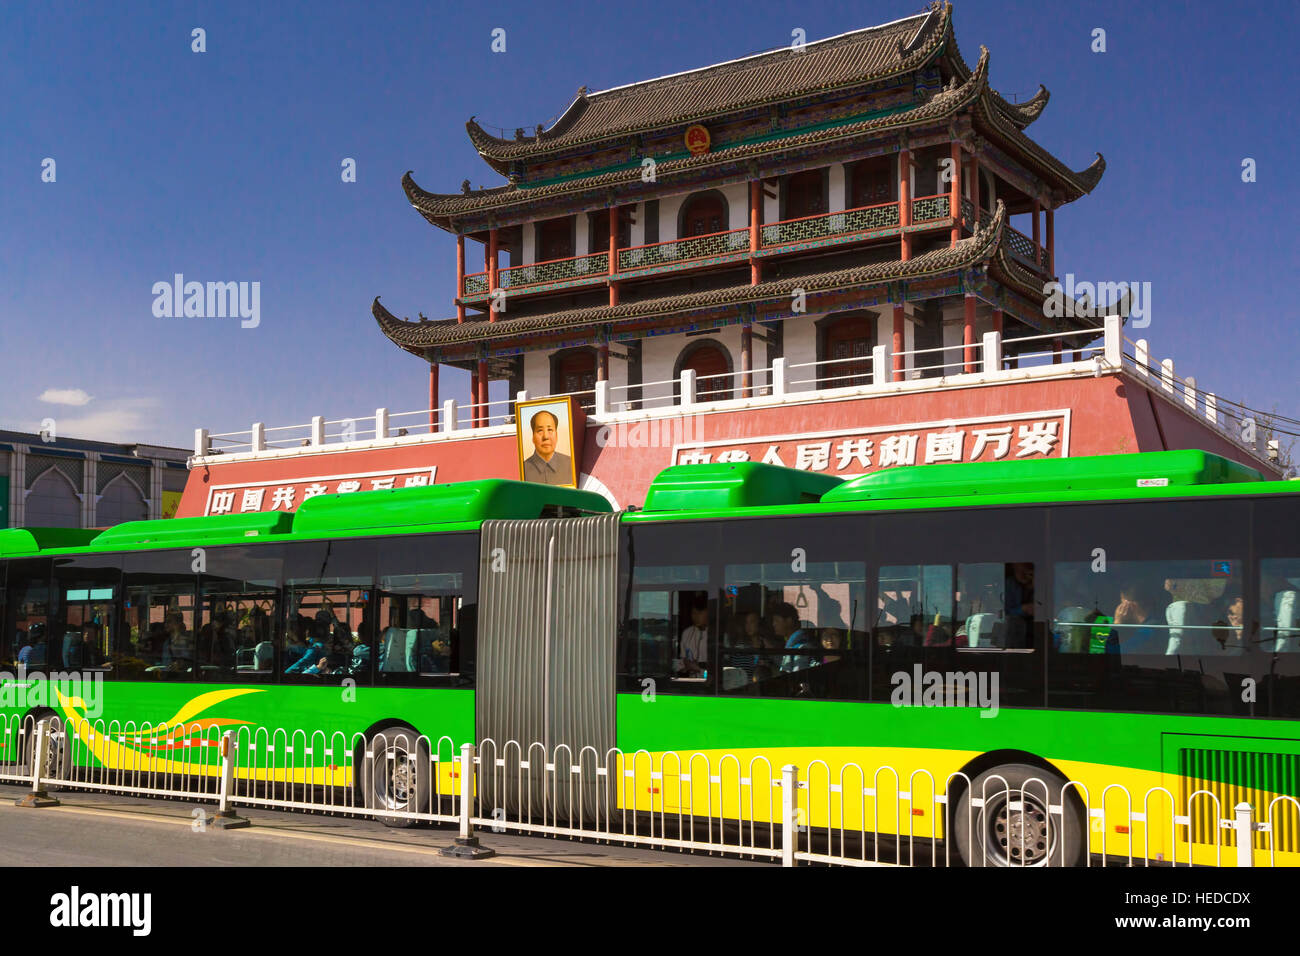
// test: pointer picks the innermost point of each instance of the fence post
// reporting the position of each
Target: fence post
(687, 387)
(467, 845)
(879, 365)
(1245, 835)
(1113, 341)
(381, 423)
(226, 818)
(789, 813)
(992, 353)
(778, 377)
(602, 398)
(40, 751)
(202, 443)
(318, 429)
(449, 423)
(258, 441)
(1142, 357)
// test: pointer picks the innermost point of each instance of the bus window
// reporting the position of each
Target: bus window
(1150, 609)
(668, 634)
(420, 623)
(794, 630)
(160, 617)
(27, 613)
(914, 606)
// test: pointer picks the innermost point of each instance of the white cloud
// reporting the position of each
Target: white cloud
(119, 420)
(65, 396)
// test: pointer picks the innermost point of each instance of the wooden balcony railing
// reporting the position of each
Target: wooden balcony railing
(846, 224)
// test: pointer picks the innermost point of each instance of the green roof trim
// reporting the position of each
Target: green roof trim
(744, 484)
(181, 531)
(20, 541)
(1092, 473)
(453, 503)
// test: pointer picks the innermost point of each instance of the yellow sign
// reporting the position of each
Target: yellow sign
(697, 139)
(171, 501)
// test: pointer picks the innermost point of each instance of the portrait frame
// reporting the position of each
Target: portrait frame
(568, 420)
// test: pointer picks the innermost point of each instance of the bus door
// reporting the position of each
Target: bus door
(545, 681)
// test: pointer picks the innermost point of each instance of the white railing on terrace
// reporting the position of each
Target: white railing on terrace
(991, 358)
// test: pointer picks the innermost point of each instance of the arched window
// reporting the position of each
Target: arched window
(708, 358)
(53, 502)
(872, 181)
(847, 342)
(574, 370)
(121, 501)
(703, 214)
(805, 194)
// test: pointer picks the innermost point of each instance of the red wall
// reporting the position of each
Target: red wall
(1108, 416)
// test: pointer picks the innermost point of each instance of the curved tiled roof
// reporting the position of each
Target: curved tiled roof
(1018, 114)
(852, 58)
(439, 208)
(971, 251)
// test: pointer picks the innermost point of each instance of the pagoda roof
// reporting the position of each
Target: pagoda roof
(987, 247)
(850, 59)
(999, 119)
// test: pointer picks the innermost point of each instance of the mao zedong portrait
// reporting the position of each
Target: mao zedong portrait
(546, 465)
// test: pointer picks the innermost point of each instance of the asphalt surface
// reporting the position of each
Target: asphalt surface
(97, 829)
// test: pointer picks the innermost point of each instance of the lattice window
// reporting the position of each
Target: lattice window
(70, 468)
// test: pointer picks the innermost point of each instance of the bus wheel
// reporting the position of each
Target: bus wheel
(1014, 826)
(398, 773)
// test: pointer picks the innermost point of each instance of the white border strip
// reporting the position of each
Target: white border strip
(1063, 413)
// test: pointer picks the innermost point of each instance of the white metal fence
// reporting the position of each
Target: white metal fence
(746, 806)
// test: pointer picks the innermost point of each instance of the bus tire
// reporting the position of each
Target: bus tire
(1000, 835)
(397, 774)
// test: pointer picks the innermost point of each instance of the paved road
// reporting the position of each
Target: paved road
(94, 829)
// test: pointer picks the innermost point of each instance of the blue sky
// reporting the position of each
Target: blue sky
(225, 166)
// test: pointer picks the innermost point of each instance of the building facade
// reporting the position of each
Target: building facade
(839, 257)
(71, 483)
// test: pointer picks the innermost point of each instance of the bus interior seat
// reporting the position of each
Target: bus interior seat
(733, 677)
(980, 630)
(1284, 611)
(399, 645)
(1188, 633)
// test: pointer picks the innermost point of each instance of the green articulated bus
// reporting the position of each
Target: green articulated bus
(1125, 623)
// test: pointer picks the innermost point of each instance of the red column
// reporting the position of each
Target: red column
(968, 334)
(975, 189)
(433, 396)
(997, 321)
(954, 194)
(1051, 242)
(746, 360)
(1037, 256)
(905, 201)
(473, 396)
(613, 253)
(898, 342)
(755, 220)
(460, 276)
(492, 270)
(482, 392)
(1056, 351)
